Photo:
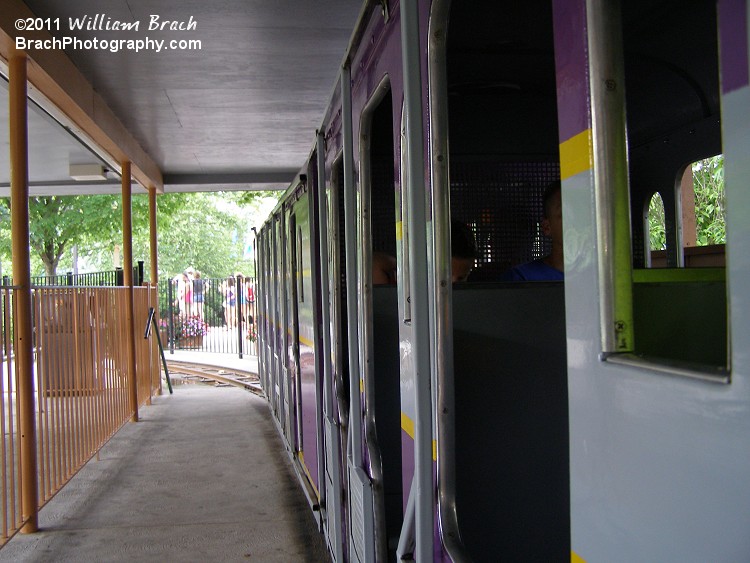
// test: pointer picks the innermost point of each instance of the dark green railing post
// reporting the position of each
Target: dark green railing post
(238, 305)
(170, 313)
(152, 322)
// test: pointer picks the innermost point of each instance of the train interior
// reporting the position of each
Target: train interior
(673, 120)
(512, 492)
(385, 321)
(503, 152)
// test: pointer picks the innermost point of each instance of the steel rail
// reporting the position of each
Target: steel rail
(243, 379)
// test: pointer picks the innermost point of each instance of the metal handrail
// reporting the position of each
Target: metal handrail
(418, 267)
(366, 318)
(441, 286)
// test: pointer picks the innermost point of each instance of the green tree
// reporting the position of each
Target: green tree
(204, 231)
(656, 223)
(207, 231)
(710, 204)
(56, 223)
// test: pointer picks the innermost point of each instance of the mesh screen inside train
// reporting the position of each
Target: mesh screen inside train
(502, 204)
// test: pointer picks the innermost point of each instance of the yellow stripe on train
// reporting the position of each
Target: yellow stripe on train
(407, 425)
(576, 154)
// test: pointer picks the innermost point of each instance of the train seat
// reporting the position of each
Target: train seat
(512, 489)
(388, 404)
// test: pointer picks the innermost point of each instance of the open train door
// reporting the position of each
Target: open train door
(324, 206)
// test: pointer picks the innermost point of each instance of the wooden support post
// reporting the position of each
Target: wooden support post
(127, 251)
(19, 196)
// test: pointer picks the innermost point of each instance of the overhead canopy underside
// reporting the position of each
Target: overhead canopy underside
(236, 109)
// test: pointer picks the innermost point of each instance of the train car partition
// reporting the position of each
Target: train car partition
(387, 402)
(511, 454)
(379, 329)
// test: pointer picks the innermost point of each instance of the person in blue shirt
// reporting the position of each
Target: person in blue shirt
(549, 268)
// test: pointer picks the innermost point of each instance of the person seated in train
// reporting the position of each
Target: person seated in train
(463, 251)
(550, 267)
(383, 268)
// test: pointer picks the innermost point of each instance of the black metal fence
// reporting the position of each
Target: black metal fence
(107, 278)
(208, 315)
(111, 278)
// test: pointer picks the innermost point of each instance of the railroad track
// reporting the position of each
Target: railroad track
(201, 373)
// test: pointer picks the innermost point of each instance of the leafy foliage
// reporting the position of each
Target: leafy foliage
(208, 231)
(656, 223)
(58, 223)
(710, 204)
(205, 231)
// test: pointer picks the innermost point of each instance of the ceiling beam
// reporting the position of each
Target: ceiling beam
(55, 79)
(275, 177)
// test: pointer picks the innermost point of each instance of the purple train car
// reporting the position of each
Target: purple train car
(605, 417)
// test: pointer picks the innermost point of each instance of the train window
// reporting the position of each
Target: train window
(506, 343)
(381, 316)
(710, 207)
(701, 216)
(673, 117)
(300, 267)
(657, 240)
(705, 234)
(502, 117)
(402, 232)
(337, 273)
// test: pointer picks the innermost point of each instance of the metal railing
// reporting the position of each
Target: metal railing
(114, 277)
(80, 383)
(224, 316)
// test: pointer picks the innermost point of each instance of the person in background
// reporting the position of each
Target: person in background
(188, 279)
(249, 301)
(200, 286)
(383, 268)
(463, 251)
(230, 302)
(241, 296)
(550, 267)
(181, 282)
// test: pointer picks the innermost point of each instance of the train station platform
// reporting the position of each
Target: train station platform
(204, 476)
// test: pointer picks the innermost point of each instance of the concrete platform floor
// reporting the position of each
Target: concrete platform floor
(204, 476)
